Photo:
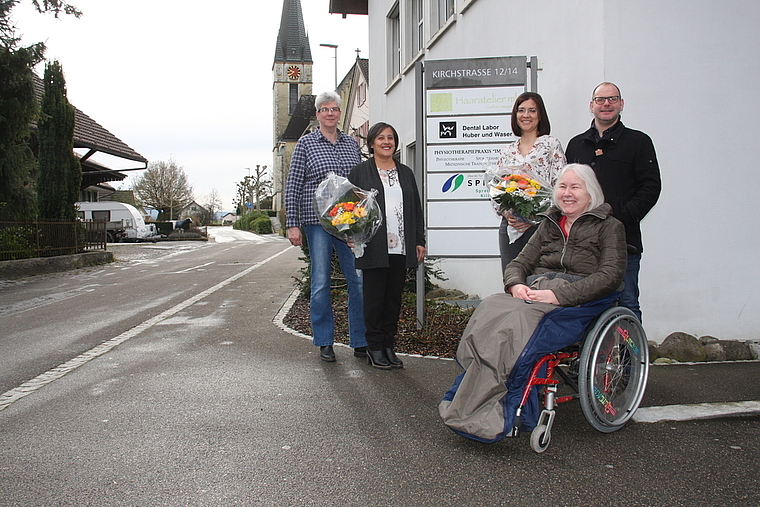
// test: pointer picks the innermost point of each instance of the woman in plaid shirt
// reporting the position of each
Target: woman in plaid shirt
(325, 150)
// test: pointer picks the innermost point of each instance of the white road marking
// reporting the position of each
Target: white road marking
(31, 386)
(695, 411)
(191, 269)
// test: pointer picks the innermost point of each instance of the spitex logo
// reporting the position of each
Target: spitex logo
(451, 184)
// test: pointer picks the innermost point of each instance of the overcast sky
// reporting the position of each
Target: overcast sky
(173, 80)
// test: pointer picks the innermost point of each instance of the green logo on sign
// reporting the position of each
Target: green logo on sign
(441, 102)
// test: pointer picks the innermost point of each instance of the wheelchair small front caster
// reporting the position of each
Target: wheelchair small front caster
(540, 438)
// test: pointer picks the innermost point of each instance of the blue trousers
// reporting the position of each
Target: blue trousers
(321, 245)
(630, 295)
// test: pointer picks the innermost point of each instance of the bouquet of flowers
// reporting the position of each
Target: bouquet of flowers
(520, 191)
(347, 212)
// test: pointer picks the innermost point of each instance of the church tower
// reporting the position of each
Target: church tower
(292, 66)
(293, 99)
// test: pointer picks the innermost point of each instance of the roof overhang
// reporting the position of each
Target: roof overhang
(92, 140)
(345, 7)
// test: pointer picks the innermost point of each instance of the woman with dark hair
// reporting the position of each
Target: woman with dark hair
(535, 150)
(398, 245)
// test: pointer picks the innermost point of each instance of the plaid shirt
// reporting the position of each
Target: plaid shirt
(315, 156)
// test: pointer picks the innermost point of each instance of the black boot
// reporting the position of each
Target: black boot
(326, 353)
(393, 359)
(377, 359)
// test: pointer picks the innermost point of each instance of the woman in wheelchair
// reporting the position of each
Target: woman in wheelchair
(577, 255)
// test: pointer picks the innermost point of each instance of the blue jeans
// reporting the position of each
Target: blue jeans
(630, 295)
(321, 245)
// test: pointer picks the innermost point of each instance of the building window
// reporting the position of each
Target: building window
(292, 98)
(394, 43)
(415, 27)
(360, 134)
(361, 94)
(443, 10)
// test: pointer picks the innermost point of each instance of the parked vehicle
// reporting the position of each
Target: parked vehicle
(124, 222)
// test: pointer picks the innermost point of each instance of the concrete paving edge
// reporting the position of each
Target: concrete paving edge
(42, 265)
(695, 411)
(288, 304)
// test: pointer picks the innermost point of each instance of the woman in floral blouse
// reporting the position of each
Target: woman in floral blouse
(536, 151)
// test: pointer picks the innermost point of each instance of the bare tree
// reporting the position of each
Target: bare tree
(259, 185)
(212, 204)
(164, 186)
(241, 197)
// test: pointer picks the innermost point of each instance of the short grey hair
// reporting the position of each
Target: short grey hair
(588, 176)
(325, 98)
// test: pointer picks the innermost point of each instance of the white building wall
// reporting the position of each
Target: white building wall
(689, 73)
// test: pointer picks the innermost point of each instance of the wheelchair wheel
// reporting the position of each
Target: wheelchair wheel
(540, 438)
(614, 366)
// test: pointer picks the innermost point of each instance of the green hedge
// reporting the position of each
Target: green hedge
(254, 221)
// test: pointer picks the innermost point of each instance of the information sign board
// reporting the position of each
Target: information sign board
(468, 105)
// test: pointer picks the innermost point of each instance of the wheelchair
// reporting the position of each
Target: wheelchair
(608, 371)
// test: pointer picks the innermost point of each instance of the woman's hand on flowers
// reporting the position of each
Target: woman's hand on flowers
(516, 223)
(294, 235)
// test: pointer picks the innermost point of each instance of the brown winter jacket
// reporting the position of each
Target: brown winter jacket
(595, 250)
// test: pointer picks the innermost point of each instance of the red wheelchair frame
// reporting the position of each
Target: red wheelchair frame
(613, 367)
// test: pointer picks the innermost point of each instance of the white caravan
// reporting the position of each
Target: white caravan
(124, 222)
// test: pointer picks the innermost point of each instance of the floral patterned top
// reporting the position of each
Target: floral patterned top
(394, 210)
(546, 159)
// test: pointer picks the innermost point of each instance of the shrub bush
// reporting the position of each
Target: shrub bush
(254, 221)
(262, 226)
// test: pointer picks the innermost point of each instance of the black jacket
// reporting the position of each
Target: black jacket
(625, 164)
(365, 176)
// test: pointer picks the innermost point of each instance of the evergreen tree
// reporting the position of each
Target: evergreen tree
(18, 108)
(60, 173)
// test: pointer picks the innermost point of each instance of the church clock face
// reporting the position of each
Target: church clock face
(294, 73)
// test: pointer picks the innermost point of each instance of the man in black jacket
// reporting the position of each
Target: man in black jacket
(625, 164)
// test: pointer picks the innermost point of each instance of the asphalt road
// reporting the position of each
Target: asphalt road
(162, 380)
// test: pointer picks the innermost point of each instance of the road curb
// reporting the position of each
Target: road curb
(42, 265)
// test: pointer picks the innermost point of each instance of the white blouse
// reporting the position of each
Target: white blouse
(394, 210)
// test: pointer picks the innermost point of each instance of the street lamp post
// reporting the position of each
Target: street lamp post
(335, 47)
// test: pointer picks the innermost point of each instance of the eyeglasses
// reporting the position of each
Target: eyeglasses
(613, 100)
(328, 110)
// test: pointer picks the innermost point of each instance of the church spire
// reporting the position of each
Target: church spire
(292, 40)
